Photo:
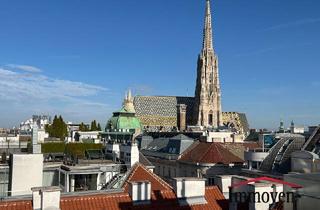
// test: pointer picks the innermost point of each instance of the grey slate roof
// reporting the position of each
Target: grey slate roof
(158, 144)
(162, 147)
(143, 160)
(178, 144)
(143, 141)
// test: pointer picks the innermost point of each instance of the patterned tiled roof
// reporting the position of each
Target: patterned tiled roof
(156, 111)
(163, 197)
(164, 107)
(204, 152)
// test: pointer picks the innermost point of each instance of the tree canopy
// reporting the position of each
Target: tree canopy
(58, 128)
(83, 127)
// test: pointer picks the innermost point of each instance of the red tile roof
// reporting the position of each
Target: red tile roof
(122, 201)
(238, 149)
(140, 172)
(163, 197)
(208, 152)
(16, 205)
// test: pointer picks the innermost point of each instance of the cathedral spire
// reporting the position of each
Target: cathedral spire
(207, 109)
(207, 31)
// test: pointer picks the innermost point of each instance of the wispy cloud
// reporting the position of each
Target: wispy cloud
(16, 85)
(293, 24)
(33, 92)
(27, 68)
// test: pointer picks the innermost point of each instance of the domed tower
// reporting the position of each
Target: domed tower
(125, 120)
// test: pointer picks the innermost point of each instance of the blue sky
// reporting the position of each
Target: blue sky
(77, 58)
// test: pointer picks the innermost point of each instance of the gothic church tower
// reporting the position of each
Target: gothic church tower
(207, 109)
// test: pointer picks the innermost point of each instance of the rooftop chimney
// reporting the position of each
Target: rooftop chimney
(46, 198)
(189, 190)
(36, 147)
(140, 192)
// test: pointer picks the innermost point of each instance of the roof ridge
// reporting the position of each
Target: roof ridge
(208, 150)
(189, 149)
(130, 174)
(136, 166)
(230, 153)
(165, 184)
(218, 149)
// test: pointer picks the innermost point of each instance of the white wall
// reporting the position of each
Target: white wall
(219, 137)
(309, 193)
(42, 135)
(27, 172)
(305, 162)
(223, 182)
(130, 153)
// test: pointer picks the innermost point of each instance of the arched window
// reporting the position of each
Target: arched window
(210, 118)
(201, 119)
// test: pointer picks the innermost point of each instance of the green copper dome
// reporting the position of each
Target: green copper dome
(124, 119)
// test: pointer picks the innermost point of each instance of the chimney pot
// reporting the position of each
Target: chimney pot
(140, 192)
(46, 198)
(190, 190)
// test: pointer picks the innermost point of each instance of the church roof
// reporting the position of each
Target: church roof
(161, 105)
(161, 110)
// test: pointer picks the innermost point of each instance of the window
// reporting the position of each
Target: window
(62, 179)
(210, 119)
(210, 181)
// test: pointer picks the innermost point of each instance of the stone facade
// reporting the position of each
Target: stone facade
(237, 121)
(207, 109)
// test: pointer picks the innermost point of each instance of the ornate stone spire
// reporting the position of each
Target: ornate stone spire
(207, 31)
(128, 102)
(207, 109)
